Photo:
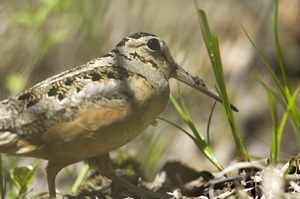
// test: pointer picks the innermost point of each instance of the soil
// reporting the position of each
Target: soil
(177, 180)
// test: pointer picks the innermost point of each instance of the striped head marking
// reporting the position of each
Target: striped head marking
(142, 52)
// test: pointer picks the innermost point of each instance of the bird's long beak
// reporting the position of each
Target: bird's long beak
(197, 83)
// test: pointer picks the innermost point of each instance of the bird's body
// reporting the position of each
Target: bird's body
(54, 118)
(86, 112)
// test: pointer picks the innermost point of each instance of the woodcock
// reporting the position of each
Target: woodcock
(88, 111)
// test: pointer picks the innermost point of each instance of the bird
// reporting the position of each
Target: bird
(86, 112)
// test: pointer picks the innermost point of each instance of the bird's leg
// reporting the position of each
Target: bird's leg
(103, 165)
(52, 170)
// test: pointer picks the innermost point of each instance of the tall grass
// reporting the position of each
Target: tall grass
(285, 97)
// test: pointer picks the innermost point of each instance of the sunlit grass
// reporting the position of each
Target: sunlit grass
(199, 140)
(285, 97)
(212, 46)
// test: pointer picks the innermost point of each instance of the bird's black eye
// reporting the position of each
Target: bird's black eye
(153, 44)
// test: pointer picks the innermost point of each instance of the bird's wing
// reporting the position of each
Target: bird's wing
(64, 107)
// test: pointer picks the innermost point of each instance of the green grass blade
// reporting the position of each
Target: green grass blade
(79, 179)
(188, 119)
(28, 179)
(209, 122)
(287, 94)
(264, 85)
(296, 131)
(69, 176)
(212, 46)
(265, 63)
(293, 121)
(197, 138)
(285, 91)
(282, 124)
(177, 126)
(178, 108)
(275, 141)
(291, 101)
(278, 48)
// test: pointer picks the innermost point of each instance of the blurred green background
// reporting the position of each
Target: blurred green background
(40, 38)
